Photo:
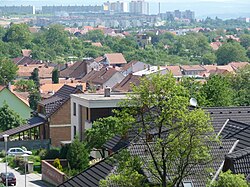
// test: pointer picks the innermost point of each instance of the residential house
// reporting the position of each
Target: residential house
(133, 66)
(56, 111)
(79, 69)
(175, 70)
(114, 59)
(97, 44)
(143, 40)
(192, 70)
(215, 45)
(126, 84)
(238, 65)
(105, 77)
(16, 102)
(44, 71)
(26, 52)
(25, 60)
(151, 70)
(86, 108)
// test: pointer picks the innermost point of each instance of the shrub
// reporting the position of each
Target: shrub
(42, 153)
(57, 164)
(2, 154)
(63, 151)
(52, 153)
(37, 167)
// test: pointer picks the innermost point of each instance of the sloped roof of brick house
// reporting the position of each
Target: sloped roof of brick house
(115, 58)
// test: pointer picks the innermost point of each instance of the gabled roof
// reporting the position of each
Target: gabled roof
(97, 44)
(238, 65)
(116, 143)
(220, 115)
(175, 70)
(53, 103)
(26, 52)
(26, 70)
(238, 162)
(237, 130)
(132, 63)
(91, 176)
(25, 61)
(99, 77)
(125, 84)
(78, 70)
(192, 68)
(199, 175)
(115, 58)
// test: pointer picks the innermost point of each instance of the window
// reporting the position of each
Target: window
(74, 131)
(74, 109)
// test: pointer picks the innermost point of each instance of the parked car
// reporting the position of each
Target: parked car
(10, 178)
(18, 151)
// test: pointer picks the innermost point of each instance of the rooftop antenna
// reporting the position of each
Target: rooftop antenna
(193, 102)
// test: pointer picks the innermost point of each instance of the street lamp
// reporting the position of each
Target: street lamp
(25, 156)
(6, 162)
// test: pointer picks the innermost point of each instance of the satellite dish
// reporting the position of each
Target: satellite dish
(193, 102)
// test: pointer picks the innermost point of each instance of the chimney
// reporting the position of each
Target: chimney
(107, 92)
(79, 86)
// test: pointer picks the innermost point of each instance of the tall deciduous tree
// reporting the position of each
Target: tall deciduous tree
(18, 33)
(241, 86)
(231, 52)
(245, 40)
(9, 119)
(218, 91)
(8, 71)
(179, 141)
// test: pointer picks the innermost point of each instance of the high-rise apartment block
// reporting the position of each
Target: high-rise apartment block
(139, 7)
(117, 7)
(17, 10)
(187, 14)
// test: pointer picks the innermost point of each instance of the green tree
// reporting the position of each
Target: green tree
(208, 58)
(218, 91)
(228, 179)
(35, 77)
(78, 155)
(9, 119)
(245, 40)
(25, 85)
(231, 52)
(18, 33)
(55, 76)
(34, 98)
(241, 86)
(128, 168)
(8, 71)
(161, 104)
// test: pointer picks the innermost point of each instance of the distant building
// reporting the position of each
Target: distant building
(143, 40)
(117, 7)
(177, 14)
(17, 10)
(71, 9)
(139, 7)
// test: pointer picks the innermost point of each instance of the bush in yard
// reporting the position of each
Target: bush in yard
(57, 164)
(52, 153)
(78, 155)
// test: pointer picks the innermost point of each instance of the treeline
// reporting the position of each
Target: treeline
(55, 44)
(221, 90)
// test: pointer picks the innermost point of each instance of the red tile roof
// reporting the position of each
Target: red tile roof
(26, 52)
(97, 44)
(44, 71)
(192, 68)
(115, 58)
(175, 70)
(238, 65)
(215, 45)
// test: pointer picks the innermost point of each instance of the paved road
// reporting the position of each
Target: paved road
(33, 180)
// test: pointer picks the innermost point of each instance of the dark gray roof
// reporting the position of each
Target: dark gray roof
(239, 131)
(199, 175)
(238, 162)
(116, 143)
(219, 115)
(54, 102)
(33, 122)
(91, 176)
